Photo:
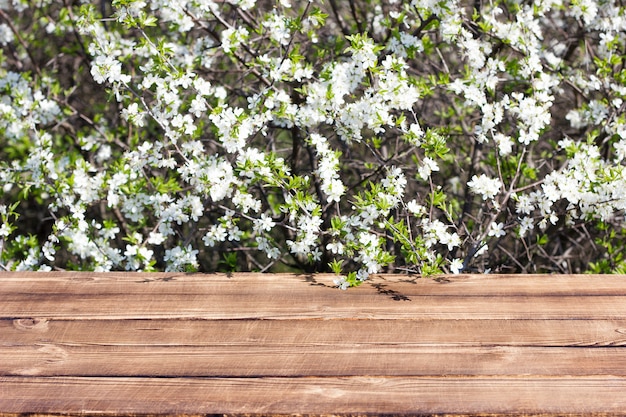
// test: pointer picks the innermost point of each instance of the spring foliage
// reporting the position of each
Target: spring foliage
(355, 137)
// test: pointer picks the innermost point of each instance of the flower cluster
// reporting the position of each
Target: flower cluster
(418, 137)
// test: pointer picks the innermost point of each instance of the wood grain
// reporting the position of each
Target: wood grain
(256, 296)
(330, 332)
(294, 361)
(147, 306)
(193, 344)
(347, 395)
(240, 283)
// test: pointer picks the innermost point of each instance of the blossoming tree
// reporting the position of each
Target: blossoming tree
(356, 137)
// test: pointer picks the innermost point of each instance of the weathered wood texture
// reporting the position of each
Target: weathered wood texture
(180, 344)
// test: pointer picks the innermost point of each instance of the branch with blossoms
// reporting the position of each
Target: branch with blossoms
(351, 137)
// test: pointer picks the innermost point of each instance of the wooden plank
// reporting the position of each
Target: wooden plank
(85, 343)
(153, 296)
(355, 395)
(313, 333)
(167, 348)
(328, 305)
(399, 286)
(296, 361)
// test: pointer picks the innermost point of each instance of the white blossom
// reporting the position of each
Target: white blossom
(485, 186)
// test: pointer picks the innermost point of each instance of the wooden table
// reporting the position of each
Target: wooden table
(176, 344)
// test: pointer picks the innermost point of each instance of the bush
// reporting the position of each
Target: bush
(355, 137)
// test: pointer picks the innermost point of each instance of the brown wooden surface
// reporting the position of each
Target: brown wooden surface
(248, 344)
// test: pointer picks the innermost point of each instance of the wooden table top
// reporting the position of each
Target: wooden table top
(251, 344)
